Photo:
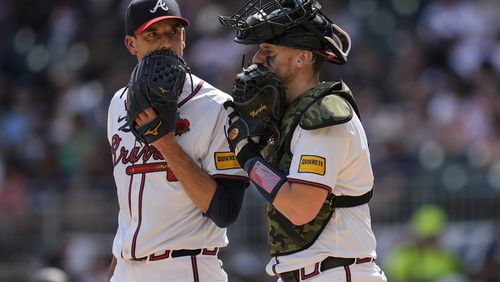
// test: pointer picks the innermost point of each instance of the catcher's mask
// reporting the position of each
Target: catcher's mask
(292, 23)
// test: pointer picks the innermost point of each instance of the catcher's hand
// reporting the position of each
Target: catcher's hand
(255, 112)
(156, 83)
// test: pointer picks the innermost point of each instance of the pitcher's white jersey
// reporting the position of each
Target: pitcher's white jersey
(155, 212)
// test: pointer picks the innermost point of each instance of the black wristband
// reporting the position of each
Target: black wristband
(154, 130)
(250, 150)
(266, 178)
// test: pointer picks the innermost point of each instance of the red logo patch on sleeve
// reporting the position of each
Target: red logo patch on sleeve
(182, 127)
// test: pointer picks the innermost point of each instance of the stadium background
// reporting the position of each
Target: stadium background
(425, 75)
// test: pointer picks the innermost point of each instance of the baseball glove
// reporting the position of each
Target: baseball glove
(257, 106)
(156, 82)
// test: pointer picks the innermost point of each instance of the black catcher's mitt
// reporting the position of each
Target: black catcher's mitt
(257, 107)
(156, 82)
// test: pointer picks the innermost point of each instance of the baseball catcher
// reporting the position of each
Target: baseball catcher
(156, 82)
(317, 179)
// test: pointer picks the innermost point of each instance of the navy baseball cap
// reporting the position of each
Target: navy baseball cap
(141, 14)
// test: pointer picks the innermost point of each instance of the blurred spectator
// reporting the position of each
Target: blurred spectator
(423, 259)
(490, 270)
(50, 274)
(13, 191)
(245, 266)
(14, 211)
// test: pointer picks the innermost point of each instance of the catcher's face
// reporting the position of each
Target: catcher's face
(166, 34)
(285, 62)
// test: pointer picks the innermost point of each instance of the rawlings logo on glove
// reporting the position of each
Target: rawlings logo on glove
(156, 82)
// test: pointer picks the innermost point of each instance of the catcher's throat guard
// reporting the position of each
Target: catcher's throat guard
(293, 23)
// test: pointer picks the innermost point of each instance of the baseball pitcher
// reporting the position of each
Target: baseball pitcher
(179, 186)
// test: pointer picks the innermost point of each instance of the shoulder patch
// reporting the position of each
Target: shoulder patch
(312, 164)
(225, 160)
(327, 111)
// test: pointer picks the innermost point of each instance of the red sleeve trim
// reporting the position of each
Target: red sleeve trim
(315, 184)
(198, 87)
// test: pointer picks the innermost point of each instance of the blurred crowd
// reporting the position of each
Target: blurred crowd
(425, 75)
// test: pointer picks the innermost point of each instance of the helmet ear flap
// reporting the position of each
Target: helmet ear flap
(339, 44)
(344, 38)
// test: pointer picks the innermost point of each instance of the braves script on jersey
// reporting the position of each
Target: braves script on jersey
(155, 212)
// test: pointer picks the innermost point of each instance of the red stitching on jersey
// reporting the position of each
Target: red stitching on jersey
(171, 176)
(141, 191)
(198, 87)
(134, 154)
(165, 255)
(274, 266)
(315, 272)
(145, 168)
(195, 268)
(130, 196)
(363, 260)
(319, 185)
(210, 252)
(154, 167)
(347, 273)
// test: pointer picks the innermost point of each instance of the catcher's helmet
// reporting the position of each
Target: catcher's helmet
(292, 23)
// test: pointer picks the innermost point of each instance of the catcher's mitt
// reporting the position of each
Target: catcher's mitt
(259, 101)
(156, 82)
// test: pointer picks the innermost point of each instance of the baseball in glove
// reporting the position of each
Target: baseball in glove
(255, 112)
(156, 82)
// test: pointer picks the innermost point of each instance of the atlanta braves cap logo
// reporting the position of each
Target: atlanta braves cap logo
(141, 14)
(160, 4)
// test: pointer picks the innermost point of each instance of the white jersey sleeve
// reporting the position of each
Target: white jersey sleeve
(220, 161)
(114, 112)
(335, 158)
(211, 148)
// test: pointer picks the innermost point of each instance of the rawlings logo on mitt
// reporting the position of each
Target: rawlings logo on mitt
(156, 82)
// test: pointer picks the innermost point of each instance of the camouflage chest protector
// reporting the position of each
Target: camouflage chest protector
(328, 104)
